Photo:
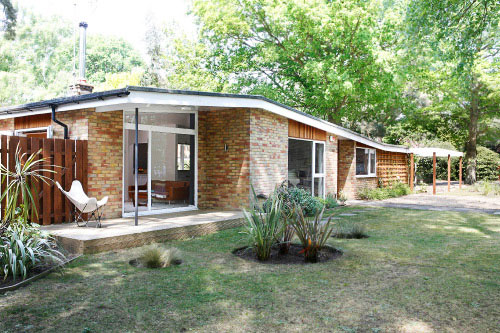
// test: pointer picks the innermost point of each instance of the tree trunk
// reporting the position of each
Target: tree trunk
(471, 145)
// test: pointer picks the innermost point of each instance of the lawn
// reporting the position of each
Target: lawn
(418, 271)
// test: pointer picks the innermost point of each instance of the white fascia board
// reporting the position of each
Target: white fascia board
(151, 98)
(440, 152)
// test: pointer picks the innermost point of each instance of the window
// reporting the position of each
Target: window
(183, 156)
(366, 162)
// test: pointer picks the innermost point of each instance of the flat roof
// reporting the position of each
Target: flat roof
(143, 95)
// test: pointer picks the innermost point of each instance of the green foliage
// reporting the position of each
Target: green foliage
(487, 188)
(330, 201)
(9, 22)
(342, 198)
(24, 247)
(38, 63)
(397, 189)
(488, 164)
(27, 169)
(291, 196)
(312, 233)
(333, 59)
(347, 229)
(264, 228)
(156, 256)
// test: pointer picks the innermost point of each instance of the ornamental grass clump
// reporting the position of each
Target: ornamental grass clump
(155, 256)
(264, 228)
(312, 233)
(346, 229)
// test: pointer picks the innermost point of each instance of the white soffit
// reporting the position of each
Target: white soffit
(440, 152)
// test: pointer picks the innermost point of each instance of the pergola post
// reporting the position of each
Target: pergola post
(460, 173)
(434, 173)
(449, 172)
(412, 171)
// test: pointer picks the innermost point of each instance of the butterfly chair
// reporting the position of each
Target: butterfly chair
(84, 205)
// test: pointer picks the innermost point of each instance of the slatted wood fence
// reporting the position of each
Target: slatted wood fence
(69, 160)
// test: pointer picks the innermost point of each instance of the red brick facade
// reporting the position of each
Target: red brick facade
(268, 151)
(224, 175)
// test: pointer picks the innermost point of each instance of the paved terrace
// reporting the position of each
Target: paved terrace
(122, 233)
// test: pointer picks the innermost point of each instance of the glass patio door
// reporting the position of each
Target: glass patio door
(318, 189)
(167, 162)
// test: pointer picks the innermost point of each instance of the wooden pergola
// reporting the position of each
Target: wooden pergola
(435, 153)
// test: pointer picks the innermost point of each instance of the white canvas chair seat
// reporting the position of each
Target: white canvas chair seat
(83, 204)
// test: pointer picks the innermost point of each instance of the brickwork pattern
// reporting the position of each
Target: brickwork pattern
(268, 151)
(77, 121)
(223, 176)
(105, 155)
(346, 167)
(331, 172)
(7, 124)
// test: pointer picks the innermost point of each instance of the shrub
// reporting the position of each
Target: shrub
(292, 196)
(264, 228)
(397, 189)
(19, 187)
(330, 201)
(347, 229)
(342, 198)
(487, 188)
(487, 165)
(24, 247)
(312, 233)
(155, 256)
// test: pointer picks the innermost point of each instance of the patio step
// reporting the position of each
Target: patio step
(121, 233)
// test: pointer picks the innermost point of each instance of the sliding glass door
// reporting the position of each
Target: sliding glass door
(306, 165)
(167, 158)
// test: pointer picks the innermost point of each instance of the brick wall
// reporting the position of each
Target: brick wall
(346, 167)
(104, 133)
(77, 121)
(331, 173)
(268, 151)
(224, 176)
(106, 159)
(7, 124)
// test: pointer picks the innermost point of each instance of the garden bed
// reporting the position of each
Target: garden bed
(9, 284)
(294, 256)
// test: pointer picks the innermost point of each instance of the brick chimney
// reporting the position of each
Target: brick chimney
(81, 87)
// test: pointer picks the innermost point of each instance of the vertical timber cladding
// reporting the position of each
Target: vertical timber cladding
(303, 131)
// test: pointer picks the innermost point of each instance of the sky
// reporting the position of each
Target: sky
(122, 18)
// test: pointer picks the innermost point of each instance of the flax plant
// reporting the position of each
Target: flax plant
(27, 171)
(312, 233)
(263, 228)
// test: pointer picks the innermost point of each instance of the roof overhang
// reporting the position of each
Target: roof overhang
(129, 98)
(440, 152)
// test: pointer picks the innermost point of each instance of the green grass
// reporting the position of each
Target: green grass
(418, 271)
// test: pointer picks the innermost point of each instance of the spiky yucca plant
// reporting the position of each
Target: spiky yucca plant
(27, 170)
(312, 233)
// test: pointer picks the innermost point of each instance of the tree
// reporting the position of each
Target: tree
(9, 22)
(463, 38)
(38, 63)
(330, 58)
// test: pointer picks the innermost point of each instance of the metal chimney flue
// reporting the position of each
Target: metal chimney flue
(81, 87)
(83, 49)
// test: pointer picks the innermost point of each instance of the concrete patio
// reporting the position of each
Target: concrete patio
(122, 233)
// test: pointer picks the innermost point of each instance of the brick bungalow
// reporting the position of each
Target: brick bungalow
(205, 150)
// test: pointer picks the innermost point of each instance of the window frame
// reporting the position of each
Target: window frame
(370, 152)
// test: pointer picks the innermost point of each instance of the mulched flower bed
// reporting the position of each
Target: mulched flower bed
(294, 256)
